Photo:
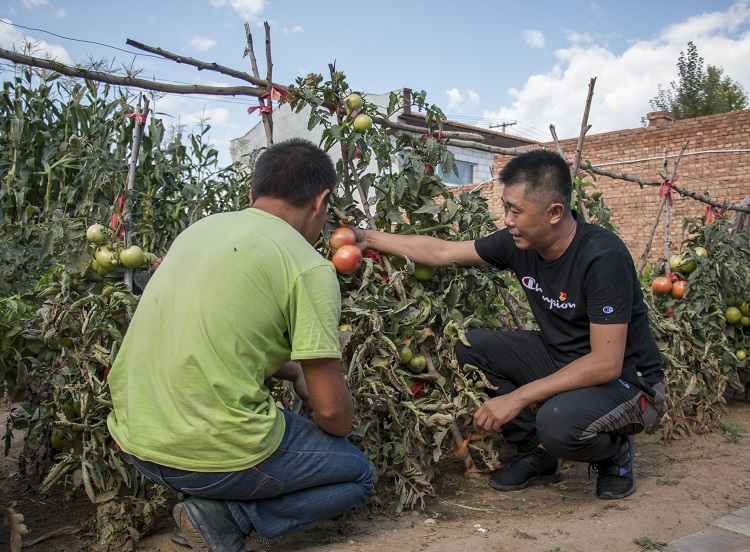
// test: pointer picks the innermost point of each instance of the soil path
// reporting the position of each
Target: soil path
(682, 486)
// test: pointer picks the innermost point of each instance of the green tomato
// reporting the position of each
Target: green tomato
(406, 355)
(105, 257)
(353, 102)
(399, 263)
(417, 364)
(132, 257)
(424, 273)
(362, 122)
(96, 233)
(58, 440)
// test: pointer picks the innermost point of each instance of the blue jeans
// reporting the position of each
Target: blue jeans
(311, 476)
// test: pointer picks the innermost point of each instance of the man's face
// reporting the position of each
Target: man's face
(527, 220)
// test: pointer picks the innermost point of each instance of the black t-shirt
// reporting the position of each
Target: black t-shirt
(593, 281)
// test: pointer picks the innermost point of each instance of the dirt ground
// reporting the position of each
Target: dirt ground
(682, 486)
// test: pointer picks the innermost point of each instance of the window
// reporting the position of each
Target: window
(465, 174)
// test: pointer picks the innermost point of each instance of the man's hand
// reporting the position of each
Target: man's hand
(359, 233)
(496, 412)
(292, 371)
(300, 388)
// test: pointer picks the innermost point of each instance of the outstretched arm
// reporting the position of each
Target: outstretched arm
(424, 250)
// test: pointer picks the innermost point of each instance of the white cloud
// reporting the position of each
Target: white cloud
(286, 31)
(249, 9)
(456, 99)
(577, 37)
(60, 13)
(625, 83)
(31, 4)
(201, 43)
(214, 116)
(11, 38)
(534, 38)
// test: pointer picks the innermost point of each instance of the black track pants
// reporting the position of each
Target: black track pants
(581, 425)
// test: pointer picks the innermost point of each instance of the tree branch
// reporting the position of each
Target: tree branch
(584, 128)
(200, 65)
(144, 84)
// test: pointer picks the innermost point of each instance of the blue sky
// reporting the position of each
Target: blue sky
(483, 62)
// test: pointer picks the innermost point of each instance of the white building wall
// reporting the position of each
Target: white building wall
(482, 161)
(288, 124)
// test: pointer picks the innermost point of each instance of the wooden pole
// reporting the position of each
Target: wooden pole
(667, 215)
(250, 52)
(139, 123)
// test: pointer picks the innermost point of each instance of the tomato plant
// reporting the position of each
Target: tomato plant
(703, 329)
(64, 156)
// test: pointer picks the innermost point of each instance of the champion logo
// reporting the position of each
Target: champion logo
(608, 310)
(530, 283)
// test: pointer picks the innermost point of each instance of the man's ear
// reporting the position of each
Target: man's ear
(556, 212)
(320, 201)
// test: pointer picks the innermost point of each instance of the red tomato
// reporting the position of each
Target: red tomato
(342, 236)
(661, 285)
(347, 259)
(679, 288)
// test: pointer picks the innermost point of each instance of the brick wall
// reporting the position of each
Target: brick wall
(716, 163)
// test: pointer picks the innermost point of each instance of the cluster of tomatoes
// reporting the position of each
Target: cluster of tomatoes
(415, 363)
(348, 257)
(108, 255)
(738, 314)
(675, 283)
(353, 103)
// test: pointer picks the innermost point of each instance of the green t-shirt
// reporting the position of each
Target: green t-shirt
(238, 295)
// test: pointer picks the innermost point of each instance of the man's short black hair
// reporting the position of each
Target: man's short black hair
(545, 174)
(295, 170)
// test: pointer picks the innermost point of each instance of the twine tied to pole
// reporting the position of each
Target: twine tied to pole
(711, 213)
(276, 93)
(139, 118)
(667, 187)
(262, 108)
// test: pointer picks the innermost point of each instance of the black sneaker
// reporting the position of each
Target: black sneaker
(615, 477)
(536, 467)
(207, 526)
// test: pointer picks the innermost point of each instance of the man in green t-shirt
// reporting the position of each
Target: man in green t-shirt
(242, 297)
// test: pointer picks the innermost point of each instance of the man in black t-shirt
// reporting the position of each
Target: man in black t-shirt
(594, 366)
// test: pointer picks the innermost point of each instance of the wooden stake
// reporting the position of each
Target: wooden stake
(250, 52)
(128, 199)
(667, 216)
